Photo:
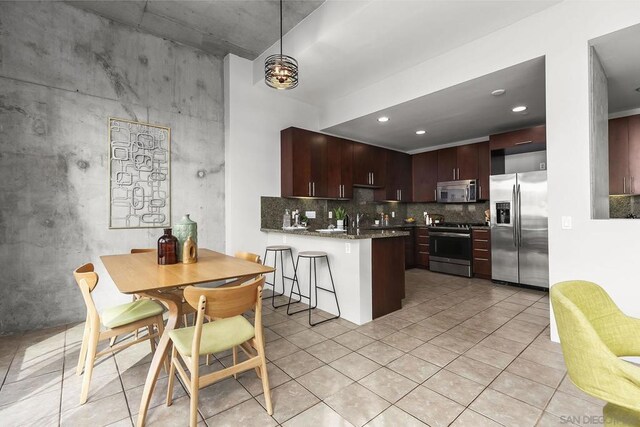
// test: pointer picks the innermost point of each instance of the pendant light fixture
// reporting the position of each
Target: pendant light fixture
(281, 71)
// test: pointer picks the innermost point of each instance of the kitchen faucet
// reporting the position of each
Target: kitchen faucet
(358, 218)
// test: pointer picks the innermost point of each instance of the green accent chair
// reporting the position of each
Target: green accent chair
(594, 334)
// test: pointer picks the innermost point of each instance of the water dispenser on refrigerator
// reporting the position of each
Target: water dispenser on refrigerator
(503, 213)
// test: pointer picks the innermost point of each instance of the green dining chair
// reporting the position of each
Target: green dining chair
(594, 334)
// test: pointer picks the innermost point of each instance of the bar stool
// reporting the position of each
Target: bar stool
(312, 256)
(279, 249)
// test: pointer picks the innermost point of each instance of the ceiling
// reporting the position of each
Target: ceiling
(463, 112)
(619, 53)
(346, 46)
(243, 27)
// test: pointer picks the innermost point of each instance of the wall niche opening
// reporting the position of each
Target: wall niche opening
(614, 93)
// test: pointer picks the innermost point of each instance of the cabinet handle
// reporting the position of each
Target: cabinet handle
(309, 188)
(632, 186)
(314, 188)
(342, 190)
(458, 173)
(454, 173)
(481, 240)
(435, 195)
(523, 142)
(373, 178)
(400, 194)
(624, 185)
(481, 259)
(480, 189)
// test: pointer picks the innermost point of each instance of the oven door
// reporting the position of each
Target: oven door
(450, 246)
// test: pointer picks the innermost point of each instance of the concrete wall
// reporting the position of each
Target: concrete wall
(255, 114)
(63, 72)
(599, 137)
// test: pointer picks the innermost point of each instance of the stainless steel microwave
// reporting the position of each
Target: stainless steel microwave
(463, 191)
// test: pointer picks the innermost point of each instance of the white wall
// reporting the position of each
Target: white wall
(254, 116)
(599, 250)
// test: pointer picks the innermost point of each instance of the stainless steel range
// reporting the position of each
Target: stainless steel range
(450, 248)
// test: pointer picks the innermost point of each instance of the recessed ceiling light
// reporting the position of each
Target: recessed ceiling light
(383, 119)
(498, 92)
(421, 132)
(638, 89)
(519, 108)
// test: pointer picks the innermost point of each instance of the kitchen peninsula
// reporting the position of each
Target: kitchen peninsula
(367, 267)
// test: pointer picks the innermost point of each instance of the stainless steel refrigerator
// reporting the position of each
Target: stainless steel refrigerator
(519, 228)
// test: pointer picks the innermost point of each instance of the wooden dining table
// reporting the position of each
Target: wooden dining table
(140, 274)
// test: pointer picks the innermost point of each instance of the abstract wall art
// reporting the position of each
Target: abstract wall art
(139, 175)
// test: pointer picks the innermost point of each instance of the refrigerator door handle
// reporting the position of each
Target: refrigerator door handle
(515, 216)
(519, 217)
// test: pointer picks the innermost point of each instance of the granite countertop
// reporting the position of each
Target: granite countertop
(392, 227)
(360, 234)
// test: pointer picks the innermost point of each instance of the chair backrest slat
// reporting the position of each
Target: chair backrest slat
(87, 273)
(248, 256)
(141, 251)
(87, 279)
(225, 302)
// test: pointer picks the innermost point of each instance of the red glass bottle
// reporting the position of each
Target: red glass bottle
(167, 248)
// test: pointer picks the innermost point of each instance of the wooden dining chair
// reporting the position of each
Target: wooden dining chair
(119, 320)
(229, 329)
(247, 256)
(134, 296)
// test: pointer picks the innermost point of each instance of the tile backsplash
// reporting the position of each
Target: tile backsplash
(272, 210)
(624, 206)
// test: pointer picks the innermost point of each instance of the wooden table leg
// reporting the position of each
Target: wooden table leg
(173, 302)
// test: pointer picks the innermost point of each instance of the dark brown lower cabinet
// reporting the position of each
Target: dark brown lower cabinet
(409, 248)
(422, 247)
(481, 253)
(387, 275)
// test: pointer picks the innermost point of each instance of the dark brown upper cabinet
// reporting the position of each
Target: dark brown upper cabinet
(458, 163)
(425, 176)
(447, 163)
(398, 178)
(369, 166)
(624, 155)
(634, 153)
(340, 173)
(303, 163)
(530, 139)
(484, 170)
(618, 155)
(467, 161)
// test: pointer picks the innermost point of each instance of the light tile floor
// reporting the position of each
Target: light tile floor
(461, 352)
